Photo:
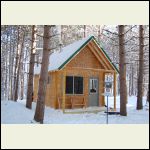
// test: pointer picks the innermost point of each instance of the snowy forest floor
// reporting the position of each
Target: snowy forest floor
(17, 113)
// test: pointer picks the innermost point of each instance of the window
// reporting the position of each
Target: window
(93, 85)
(69, 85)
(74, 85)
(78, 85)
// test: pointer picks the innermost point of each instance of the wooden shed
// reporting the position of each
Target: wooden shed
(76, 76)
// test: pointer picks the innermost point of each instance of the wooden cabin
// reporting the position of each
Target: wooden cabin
(76, 76)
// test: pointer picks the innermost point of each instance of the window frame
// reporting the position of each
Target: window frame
(74, 87)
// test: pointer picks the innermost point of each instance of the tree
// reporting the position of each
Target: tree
(148, 94)
(140, 74)
(123, 91)
(20, 48)
(31, 69)
(22, 79)
(12, 63)
(40, 106)
(84, 31)
(16, 61)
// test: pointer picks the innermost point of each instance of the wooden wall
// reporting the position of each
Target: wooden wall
(86, 74)
(50, 90)
(78, 66)
(85, 59)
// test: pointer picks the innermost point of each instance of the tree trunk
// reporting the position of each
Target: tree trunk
(18, 69)
(39, 113)
(140, 74)
(132, 82)
(22, 81)
(84, 31)
(6, 69)
(148, 94)
(129, 88)
(123, 91)
(3, 71)
(12, 72)
(16, 62)
(31, 70)
(10, 68)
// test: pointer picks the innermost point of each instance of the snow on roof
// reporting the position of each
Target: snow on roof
(57, 58)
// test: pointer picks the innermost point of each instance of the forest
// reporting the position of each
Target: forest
(24, 47)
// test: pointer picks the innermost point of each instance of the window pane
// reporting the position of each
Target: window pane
(78, 85)
(69, 85)
(93, 85)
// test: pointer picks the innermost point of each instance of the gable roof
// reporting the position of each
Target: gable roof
(59, 59)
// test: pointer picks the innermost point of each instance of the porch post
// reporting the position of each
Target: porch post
(115, 91)
(64, 90)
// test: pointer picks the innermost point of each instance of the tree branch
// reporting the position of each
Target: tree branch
(111, 32)
(129, 29)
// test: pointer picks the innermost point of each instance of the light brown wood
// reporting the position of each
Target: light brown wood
(100, 60)
(92, 69)
(82, 103)
(68, 102)
(55, 90)
(85, 59)
(101, 53)
(85, 64)
(64, 89)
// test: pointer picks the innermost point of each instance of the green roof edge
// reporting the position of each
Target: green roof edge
(106, 55)
(75, 52)
(92, 37)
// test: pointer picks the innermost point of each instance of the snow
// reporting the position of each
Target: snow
(17, 113)
(57, 58)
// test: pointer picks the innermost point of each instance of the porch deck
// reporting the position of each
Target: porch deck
(94, 109)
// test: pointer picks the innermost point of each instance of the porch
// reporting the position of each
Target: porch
(84, 98)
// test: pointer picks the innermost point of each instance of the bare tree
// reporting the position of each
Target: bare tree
(140, 74)
(40, 106)
(12, 65)
(31, 69)
(132, 78)
(84, 31)
(148, 94)
(16, 60)
(122, 71)
(22, 79)
(18, 67)
(6, 69)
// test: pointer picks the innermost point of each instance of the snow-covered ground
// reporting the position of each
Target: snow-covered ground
(17, 113)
